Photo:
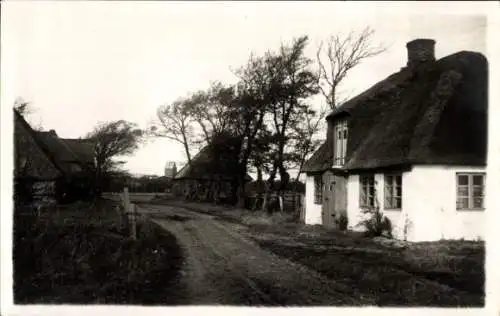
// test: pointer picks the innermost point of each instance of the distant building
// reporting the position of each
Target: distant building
(170, 169)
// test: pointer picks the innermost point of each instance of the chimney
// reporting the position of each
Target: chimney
(420, 51)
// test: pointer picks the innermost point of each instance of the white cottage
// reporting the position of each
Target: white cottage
(414, 145)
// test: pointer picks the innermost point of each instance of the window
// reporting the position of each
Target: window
(318, 189)
(393, 191)
(367, 191)
(340, 139)
(470, 191)
(75, 167)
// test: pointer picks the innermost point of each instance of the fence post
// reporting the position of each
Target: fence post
(129, 212)
(126, 200)
(134, 221)
(302, 208)
(280, 200)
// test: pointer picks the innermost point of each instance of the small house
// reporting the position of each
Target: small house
(49, 168)
(209, 177)
(412, 146)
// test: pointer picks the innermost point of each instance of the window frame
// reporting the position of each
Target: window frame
(340, 135)
(391, 191)
(318, 189)
(470, 190)
(364, 196)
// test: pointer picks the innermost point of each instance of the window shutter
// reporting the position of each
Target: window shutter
(387, 192)
(362, 193)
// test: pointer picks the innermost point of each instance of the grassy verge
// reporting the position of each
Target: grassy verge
(397, 277)
(80, 254)
(445, 273)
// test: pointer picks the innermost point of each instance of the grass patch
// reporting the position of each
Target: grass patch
(422, 274)
(265, 219)
(80, 254)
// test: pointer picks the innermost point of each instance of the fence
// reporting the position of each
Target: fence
(292, 202)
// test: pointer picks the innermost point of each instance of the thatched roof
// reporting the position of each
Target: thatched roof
(31, 159)
(435, 113)
(67, 151)
(45, 146)
(205, 166)
(82, 148)
(322, 159)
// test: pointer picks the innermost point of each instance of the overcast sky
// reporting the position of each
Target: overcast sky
(82, 62)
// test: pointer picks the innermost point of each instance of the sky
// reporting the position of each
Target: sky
(83, 62)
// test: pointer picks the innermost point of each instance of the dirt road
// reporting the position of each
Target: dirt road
(222, 267)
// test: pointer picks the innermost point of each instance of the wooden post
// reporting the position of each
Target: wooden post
(129, 212)
(126, 199)
(134, 221)
(302, 208)
(120, 219)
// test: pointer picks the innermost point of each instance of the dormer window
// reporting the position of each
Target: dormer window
(340, 142)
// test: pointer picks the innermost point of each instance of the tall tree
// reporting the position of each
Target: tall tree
(112, 140)
(289, 105)
(257, 77)
(339, 56)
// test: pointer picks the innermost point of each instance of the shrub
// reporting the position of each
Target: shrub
(376, 224)
(341, 222)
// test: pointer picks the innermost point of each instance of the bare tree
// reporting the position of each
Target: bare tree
(176, 122)
(26, 109)
(23, 107)
(342, 55)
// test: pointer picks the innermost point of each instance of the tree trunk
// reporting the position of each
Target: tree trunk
(241, 181)
(269, 190)
(258, 196)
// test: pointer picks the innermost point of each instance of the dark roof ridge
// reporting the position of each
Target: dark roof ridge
(404, 71)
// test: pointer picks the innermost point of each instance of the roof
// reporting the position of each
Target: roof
(321, 159)
(62, 153)
(204, 166)
(82, 148)
(435, 113)
(38, 163)
(67, 151)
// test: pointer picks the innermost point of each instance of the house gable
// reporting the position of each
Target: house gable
(31, 161)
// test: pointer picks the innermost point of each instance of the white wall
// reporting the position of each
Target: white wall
(313, 211)
(429, 206)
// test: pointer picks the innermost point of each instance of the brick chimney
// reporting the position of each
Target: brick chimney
(420, 51)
